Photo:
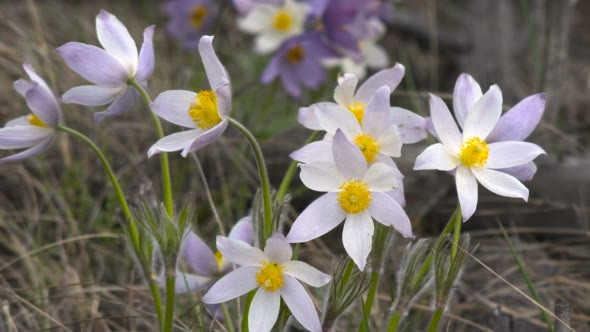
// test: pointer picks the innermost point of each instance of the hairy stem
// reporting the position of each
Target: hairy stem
(394, 321)
(169, 319)
(435, 320)
(370, 300)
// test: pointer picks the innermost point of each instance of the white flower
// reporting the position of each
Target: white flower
(273, 24)
(274, 275)
(356, 193)
(474, 159)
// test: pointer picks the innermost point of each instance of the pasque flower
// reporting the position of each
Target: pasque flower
(110, 68)
(245, 6)
(205, 112)
(356, 193)
(274, 275)
(274, 23)
(35, 131)
(190, 19)
(474, 157)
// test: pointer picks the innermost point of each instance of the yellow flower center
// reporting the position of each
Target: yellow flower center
(358, 110)
(203, 110)
(35, 121)
(474, 152)
(270, 276)
(296, 54)
(368, 145)
(282, 21)
(355, 196)
(218, 257)
(198, 15)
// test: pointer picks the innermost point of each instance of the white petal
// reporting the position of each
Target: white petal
(116, 40)
(240, 252)
(175, 142)
(357, 237)
(232, 285)
(466, 191)
(381, 177)
(23, 136)
(467, 92)
(216, 73)
(377, 117)
(501, 183)
(344, 92)
(321, 176)
(510, 154)
(390, 77)
(334, 118)
(40, 147)
(206, 138)
(264, 310)
(386, 211)
(390, 142)
(268, 42)
(314, 151)
(348, 157)
(20, 121)
(376, 56)
(173, 106)
(257, 20)
(445, 125)
(306, 273)
(436, 156)
(411, 126)
(485, 114)
(92, 95)
(307, 117)
(278, 249)
(320, 217)
(300, 305)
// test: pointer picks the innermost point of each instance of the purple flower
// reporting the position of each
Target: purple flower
(298, 61)
(37, 130)
(245, 6)
(190, 19)
(109, 68)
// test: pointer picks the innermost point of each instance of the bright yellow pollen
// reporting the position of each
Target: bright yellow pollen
(355, 196)
(203, 110)
(270, 276)
(282, 21)
(296, 54)
(218, 257)
(474, 152)
(35, 121)
(358, 110)
(368, 145)
(198, 15)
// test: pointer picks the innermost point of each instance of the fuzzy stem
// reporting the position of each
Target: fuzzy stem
(247, 310)
(457, 232)
(435, 320)
(291, 171)
(169, 319)
(264, 182)
(164, 162)
(394, 321)
(348, 271)
(370, 299)
(226, 315)
(157, 301)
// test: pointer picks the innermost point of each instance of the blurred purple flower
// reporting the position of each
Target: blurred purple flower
(244, 6)
(190, 19)
(109, 68)
(298, 61)
(37, 130)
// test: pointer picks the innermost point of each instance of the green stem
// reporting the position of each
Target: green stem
(226, 315)
(457, 232)
(164, 162)
(264, 182)
(370, 299)
(348, 271)
(396, 318)
(435, 320)
(291, 171)
(157, 301)
(247, 310)
(169, 319)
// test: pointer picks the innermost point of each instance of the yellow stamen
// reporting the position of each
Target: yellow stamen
(296, 54)
(198, 15)
(35, 121)
(219, 257)
(368, 145)
(355, 196)
(282, 21)
(474, 152)
(270, 276)
(203, 110)
(358, 110)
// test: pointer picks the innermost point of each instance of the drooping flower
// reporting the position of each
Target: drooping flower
(356, 193)
(298, 62)
(190, 19)
(470, 153)
(205, 112)
(274, 275)
(35, 131)
(274, 23)
(110, 68)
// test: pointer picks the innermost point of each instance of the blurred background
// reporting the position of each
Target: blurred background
(61, 261)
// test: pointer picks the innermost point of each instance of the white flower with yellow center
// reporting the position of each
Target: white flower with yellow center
(206, 112)
(274, 275)
(273, 23)
(474, 159)
(356, 193)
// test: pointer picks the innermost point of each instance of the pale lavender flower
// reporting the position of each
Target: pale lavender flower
(298, 62)
(205, 113)
(190, 19)
(274, 276)
(35, 131)
(110, 68)
(245, 6)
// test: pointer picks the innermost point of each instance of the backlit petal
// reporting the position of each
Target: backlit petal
(390, 77)
(436, 156)
(484, 115)
(264, 310)
(240, 252)
(93, 63)
(444, 124)
(344, 92)
(348, 157)
(320, 217)
(174, 142)
(173, 106)
(232, 285)
(357, 237)
(467, 92)
(300, 305)
(321, 176)
(501, 183)
(386, 211)
(512, 153)
(278, 249)
(520, 121)
(466, 191)
(116, 40)
(306, 273)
